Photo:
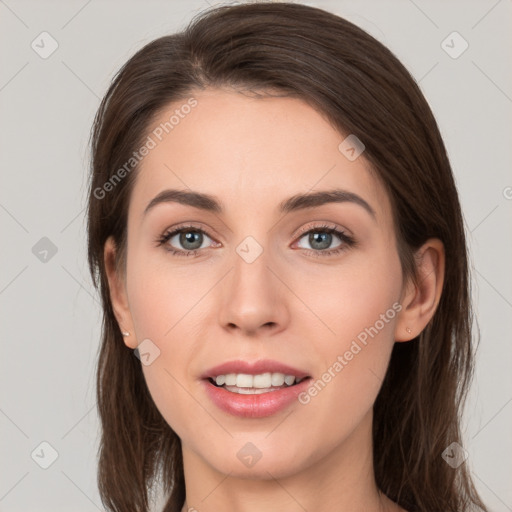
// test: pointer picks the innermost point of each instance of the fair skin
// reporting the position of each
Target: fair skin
(287, 305)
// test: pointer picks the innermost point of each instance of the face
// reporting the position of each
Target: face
(260, 283)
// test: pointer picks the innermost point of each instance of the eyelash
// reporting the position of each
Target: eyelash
(347, 240)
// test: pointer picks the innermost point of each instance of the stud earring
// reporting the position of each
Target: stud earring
(125, 333)
(408, 329)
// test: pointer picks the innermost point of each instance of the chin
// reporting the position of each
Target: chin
(263, 460)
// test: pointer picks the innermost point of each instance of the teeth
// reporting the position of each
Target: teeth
(260, 381)
(230, 379)
(277, 379)
(250, 391)
(289, 380)
(244, 380)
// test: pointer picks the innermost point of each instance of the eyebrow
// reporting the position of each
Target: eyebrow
(297, 202)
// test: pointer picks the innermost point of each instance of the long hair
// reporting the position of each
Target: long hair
(362, 89)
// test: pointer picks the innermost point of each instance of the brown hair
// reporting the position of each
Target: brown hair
(362, 89)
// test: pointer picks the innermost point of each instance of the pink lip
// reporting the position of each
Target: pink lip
(253, 406)
(254, 368)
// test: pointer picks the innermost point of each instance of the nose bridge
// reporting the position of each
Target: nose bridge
(251, 277)
(253, 296)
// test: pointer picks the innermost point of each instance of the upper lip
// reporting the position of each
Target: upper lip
(253, 368)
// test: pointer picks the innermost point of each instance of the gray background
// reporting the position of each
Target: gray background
(50, 315)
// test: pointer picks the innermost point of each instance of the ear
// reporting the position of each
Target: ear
(118, 295)
(419, 302)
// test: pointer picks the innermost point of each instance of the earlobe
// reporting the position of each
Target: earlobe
(420, 301)
(117, 291)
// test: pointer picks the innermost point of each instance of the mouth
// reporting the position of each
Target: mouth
(247, 384)
(254, 389)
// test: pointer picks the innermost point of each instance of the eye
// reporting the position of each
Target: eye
(190, 238)
(322, 237)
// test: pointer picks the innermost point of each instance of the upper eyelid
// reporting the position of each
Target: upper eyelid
(325, 225)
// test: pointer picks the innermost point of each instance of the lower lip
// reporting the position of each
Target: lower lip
(254, 406)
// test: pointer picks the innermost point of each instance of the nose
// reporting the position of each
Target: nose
(253, 298)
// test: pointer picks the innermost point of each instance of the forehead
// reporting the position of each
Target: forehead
(251, 152)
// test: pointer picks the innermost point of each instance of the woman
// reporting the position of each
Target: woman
(277, 236)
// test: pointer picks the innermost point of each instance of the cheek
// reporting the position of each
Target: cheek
(168, 387)
(370, 304)
(162, 308)
(360, 306)
(159, 296)
(366, 320)
(352, 297)
(161, 319)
